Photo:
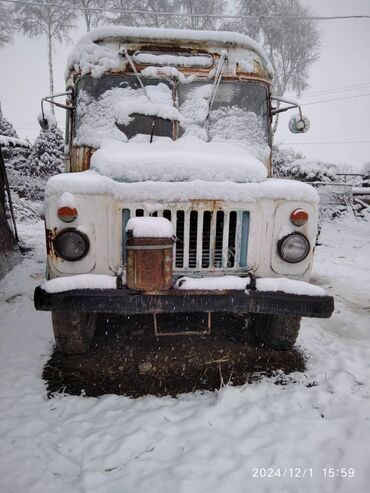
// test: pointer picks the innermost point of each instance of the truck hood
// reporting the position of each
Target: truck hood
(186, 159)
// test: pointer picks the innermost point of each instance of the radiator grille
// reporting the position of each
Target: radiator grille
(205, 240)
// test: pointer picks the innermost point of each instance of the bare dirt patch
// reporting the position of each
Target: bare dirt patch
(126, 358)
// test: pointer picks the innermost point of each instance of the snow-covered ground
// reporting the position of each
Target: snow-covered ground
(215, 442)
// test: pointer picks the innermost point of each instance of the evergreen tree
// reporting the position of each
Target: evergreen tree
(6, 128)
(14, 157)
(47, 155)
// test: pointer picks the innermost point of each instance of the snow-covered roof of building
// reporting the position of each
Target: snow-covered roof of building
(90, 48)
(13, 142)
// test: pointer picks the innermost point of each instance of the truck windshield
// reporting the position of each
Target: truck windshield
(115, 106)
(239, 111)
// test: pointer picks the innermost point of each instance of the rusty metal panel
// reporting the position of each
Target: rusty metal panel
(50, 235)
(149, 263)
(80, 158)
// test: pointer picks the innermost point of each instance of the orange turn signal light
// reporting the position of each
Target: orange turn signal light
(299, 217)
(67, 214)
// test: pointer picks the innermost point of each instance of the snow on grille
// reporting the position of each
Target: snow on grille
(205, 239)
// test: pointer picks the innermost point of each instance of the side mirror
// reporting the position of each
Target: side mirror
(43, 122)
(299, 124)
(46, 120)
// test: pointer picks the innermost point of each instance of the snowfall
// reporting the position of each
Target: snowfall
(221, 441)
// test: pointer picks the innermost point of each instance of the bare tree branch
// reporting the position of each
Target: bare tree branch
(91, 16)
(6, 24)
(291, 44)
(51, 20)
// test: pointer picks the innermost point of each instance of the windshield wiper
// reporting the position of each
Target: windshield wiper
(137, 75)
(152, 129)
(139, 79)
(216, 83)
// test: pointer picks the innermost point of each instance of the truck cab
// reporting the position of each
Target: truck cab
(175, 125)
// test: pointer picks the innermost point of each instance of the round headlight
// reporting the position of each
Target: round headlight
(294, 248)
(71, 244)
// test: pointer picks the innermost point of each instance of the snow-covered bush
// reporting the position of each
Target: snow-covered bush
(283, 160)
(46, 158)
(288, 163)
(25, 186)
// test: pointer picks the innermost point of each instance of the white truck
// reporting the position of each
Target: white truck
(176, 124)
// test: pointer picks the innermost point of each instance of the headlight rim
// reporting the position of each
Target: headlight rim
(81, 234)
(280, 249)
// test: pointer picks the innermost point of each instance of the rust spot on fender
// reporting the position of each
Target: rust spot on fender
(50, 237)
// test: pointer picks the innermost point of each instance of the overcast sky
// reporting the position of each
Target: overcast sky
(340, 130)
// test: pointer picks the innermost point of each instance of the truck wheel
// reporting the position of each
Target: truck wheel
(273, 331)
(73, 331)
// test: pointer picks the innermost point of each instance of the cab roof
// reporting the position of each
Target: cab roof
(96, 48)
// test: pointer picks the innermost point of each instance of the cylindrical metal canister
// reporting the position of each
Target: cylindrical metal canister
(149, 263)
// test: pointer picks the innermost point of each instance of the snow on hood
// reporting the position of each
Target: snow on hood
(186, 159)
(92, 183)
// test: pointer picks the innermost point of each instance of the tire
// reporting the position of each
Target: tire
(73, 331)
(273, 331)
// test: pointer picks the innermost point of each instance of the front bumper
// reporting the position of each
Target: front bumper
(125, 301)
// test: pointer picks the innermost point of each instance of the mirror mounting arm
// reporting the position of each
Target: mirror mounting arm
(50, 99)
(292, 104)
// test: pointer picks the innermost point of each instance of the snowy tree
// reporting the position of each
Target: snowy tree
(16, 162)
(15, 156)
(292, 44)
(205, 8)
(193, 8)
(155, 6)
(6, 24)
(46, 158)
(122, 7)
(6, 128)
(49, 18)
(91, 16)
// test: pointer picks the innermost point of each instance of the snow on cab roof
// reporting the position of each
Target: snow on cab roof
(89, 47)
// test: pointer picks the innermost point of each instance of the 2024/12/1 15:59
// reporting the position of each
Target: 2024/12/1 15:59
(300, 472)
